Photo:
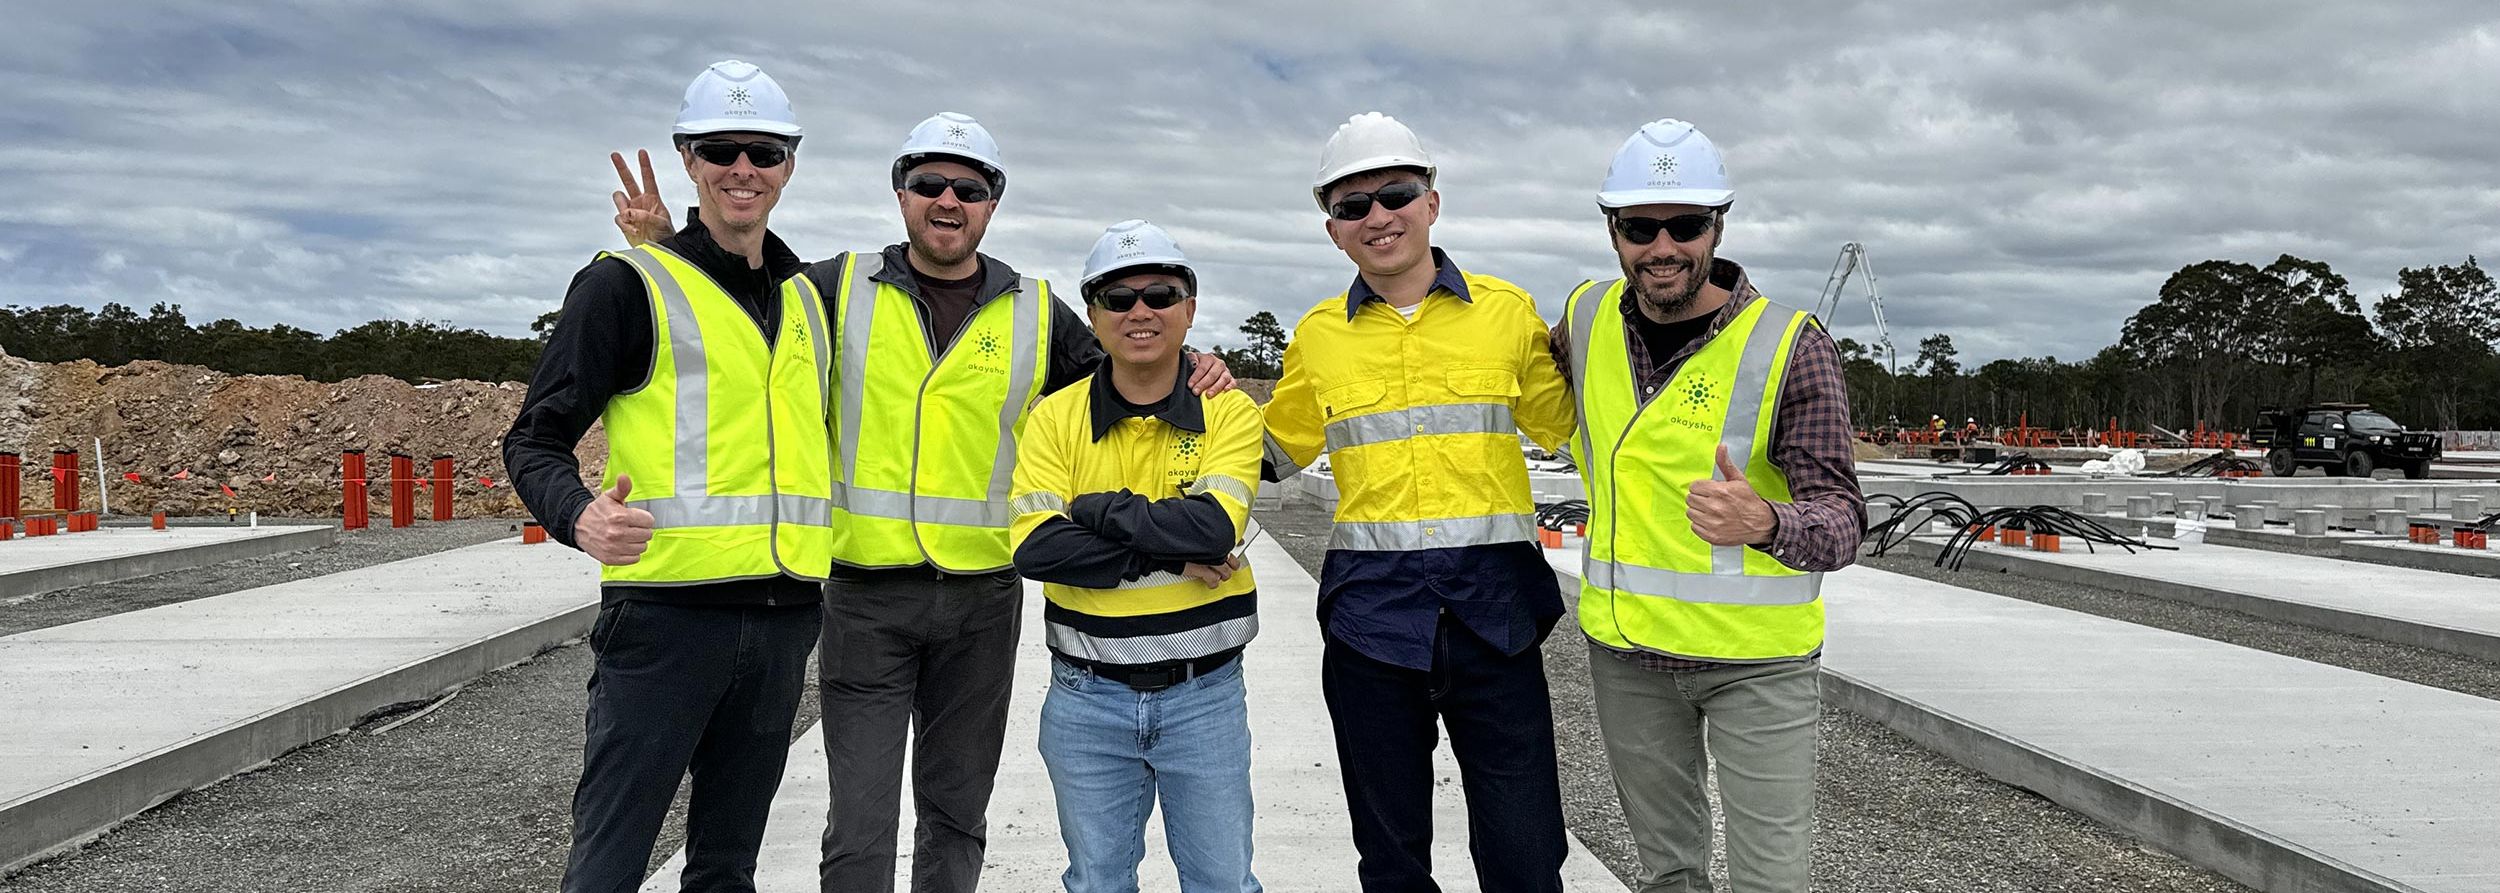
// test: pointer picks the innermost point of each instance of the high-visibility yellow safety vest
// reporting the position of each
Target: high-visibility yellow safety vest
(1648, 582)
(726, 441)
(926, 446)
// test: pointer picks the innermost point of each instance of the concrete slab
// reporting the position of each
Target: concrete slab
(2280, 773)
(31, 566)
(1301, 829)
(2427, 609)
(2224, 532)
(111, 716)
(2283, 774)
(2442, 558)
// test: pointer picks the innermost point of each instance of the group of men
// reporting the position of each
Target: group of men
(864, 456)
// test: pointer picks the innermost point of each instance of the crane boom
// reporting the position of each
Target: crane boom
(1853, 259)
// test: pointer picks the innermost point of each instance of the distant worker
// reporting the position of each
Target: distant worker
(701, 354)
(1714, 441)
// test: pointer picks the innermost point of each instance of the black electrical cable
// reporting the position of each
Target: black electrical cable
(1561, 515)
(1910, 517)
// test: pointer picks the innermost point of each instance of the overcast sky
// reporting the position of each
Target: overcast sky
(2023, 174)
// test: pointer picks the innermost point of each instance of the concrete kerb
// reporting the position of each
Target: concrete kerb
(2395, 552)
(129, 565)
(2467, 643)
(2214, 841)
(82, 809)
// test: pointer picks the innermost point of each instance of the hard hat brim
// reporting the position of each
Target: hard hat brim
(738, 125)
(1174, 265)
(1626, 198)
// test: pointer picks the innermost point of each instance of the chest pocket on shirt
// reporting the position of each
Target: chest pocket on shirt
(1347, 398)
(1484, 382)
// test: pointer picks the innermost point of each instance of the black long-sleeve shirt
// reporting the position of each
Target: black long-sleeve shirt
(602, 346)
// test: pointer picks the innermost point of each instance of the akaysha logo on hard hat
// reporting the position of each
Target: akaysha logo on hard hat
(1665, 169)
(738, 96)
(1128, 245)
(958, 137)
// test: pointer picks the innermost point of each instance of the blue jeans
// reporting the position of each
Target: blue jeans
(1111, 749)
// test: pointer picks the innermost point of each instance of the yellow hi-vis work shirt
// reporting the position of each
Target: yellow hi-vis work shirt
(1078, 443)
(1421, 417)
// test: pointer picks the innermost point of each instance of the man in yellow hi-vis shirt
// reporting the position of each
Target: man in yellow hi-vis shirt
(1418, 381)
(1130, 493)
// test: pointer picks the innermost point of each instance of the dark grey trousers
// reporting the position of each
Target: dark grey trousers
(676, 691)
(932, 657)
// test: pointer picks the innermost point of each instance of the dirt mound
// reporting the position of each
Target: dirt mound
(273, 440)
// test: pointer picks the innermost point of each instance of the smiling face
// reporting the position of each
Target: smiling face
(1666, 275)
(739, 195)
(1142, 335)
(945, 230)
(1385, 243)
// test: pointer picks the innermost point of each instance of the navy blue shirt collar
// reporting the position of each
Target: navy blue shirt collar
(1445, 277)
(1180, 409)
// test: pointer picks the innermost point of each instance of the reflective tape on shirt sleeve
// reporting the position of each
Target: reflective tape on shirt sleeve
(1225, 484)
(1279, 458)
(1039, 502)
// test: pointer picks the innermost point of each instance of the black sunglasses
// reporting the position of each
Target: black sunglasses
(1682, 228)
(1122, 299)
(726, 152)
(1358, 205)
(967, 190)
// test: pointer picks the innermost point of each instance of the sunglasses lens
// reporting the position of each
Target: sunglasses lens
(926, 185)
(971, 191)
(1644, 230)
(1398, 195)
(725, 152)
(1352, 207)
(1687, 227)
(1122, 299)
(1638, 230)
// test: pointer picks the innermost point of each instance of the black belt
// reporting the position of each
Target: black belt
(1155, 676)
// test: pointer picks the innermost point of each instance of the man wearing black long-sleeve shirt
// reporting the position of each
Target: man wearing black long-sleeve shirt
(705, 359)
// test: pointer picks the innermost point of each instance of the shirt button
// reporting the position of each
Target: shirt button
(1432, 531)
(1419, 428)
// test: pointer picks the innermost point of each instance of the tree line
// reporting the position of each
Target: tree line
(412, 351)
(2221, 340)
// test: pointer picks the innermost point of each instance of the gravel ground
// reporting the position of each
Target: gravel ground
(1889, 815)
(475, 797)
(2437, 669)
(352, 550)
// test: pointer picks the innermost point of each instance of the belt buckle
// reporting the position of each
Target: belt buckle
(1158, 680)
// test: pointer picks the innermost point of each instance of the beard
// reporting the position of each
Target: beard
(921, 241)
(1664, 304)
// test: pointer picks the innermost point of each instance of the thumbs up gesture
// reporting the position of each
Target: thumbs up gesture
(1726, 511)
(611, 531)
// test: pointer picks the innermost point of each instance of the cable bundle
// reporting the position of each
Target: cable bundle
(1909, 516)
(2223, 463)
(1561, 515)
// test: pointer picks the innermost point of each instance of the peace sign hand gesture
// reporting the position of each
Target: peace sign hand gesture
(640, 214)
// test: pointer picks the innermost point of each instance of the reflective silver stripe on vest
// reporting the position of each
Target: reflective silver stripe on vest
(820, 338)
(693, 401)
(1417, 421)
(1444, 533)
(1278, 458)
(1744, 408)
(1711, 589)
(732, 511)
(1182, 645)
(1038, 502)
(900, 506)
(1230, 485)
(859, 313)
(1025, 339)
(1583, 330)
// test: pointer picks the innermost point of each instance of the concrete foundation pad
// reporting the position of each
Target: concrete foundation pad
(1300, 831)
(2426, 609)
(2442, 558)
(2234, 532)
(31, 566)
(110, 716)
(2279, 773)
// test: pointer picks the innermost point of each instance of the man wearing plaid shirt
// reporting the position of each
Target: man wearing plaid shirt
(1715, 441)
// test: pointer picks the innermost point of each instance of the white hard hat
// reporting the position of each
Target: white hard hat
(1130, 244)
(735, 96)
(1368, 142)
(954, 135)
(1667, 163)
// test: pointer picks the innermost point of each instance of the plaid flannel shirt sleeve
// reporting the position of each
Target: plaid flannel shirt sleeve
(1820, 528)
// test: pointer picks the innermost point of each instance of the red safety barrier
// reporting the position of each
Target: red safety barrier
(442, 488)
(156, 521)
(12, 477)
(403, 490)
(8, 529)
(532, 534)
(65, 480)
(352, 471)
